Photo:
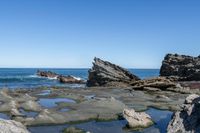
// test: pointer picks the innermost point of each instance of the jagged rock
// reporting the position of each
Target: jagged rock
(187, 120)
(137, 119)
(186, 68)
(104, 73)
(161, 83)
(10, 126)
(70, 79)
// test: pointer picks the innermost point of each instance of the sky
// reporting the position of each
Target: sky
(70, 33)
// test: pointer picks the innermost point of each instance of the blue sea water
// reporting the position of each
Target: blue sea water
(27, 78)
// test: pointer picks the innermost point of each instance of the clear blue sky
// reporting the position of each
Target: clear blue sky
(70, 33)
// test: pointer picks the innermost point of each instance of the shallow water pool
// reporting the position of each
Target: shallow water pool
(52, 102)
(4, 116)
(160, 117)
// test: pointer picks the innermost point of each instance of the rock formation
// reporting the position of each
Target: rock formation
(104, 73)
(137, 120)
(59, 77)
(184, 67)
(10, 126)
(160, 83)
(188, 119)
(47, 74)
(70, 79)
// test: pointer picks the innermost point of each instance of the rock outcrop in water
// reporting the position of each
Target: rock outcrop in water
(104, 73)
(10, 126)
(188, 119)
(184, 67)
(47, 74)
(59, 77)
(137, 119)
(70, 79)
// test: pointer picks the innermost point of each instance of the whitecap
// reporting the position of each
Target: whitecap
(77, 78)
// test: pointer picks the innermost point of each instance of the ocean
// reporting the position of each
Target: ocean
(26, 77)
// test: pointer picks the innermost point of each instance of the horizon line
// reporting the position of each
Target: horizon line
(61, 68)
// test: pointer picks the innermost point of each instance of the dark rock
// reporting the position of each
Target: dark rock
(47, 74)
(61, 78)
(104, 73)
(188, 119)
(70, 79)
(186, 68)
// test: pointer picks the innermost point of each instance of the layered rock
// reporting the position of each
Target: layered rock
(187, 120)
(160, 83)
(59, 77)
(184, 67)
(104, 73)
(137, 119)
(10, 126)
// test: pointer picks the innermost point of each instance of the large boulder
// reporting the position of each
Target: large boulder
(104, 73)
(188, 119)
(182, 66)
(10, 126)
(137, 119)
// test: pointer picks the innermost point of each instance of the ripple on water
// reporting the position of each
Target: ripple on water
(4, 116)
(64, 110)
(44, 93)
(28, 113)
(52, 102)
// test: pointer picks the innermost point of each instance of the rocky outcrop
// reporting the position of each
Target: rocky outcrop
(59, 77)
(70, 79)
(137, 119)
(187, 120)
(10, 126)
(47, 74)
(104, 73)
(184, 67)
(160, 83)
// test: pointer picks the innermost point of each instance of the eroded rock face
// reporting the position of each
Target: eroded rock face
(137, 119)
(188, 119)
(10, 126)
(185, 67)
(104, 73)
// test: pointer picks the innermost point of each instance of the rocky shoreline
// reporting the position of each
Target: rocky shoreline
(111, 91)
